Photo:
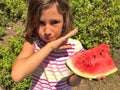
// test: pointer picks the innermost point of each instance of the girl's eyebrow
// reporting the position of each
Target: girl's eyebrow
(52, 20)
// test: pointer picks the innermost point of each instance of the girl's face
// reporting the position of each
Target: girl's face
(51, 23)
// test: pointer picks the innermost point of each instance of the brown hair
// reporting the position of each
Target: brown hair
(34, 13)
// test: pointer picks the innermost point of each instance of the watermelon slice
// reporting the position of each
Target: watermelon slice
(92, 63)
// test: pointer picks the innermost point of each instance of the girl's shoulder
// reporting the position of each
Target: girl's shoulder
(38, 43)
(76, 44)
(71, 40)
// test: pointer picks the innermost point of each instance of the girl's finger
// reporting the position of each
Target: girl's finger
(65, 47)
(101, 77)
(70, 34)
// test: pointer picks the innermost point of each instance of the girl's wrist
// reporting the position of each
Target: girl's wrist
(50, 47)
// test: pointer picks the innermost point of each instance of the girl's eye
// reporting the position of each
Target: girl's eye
(54, 22)
(42, 23)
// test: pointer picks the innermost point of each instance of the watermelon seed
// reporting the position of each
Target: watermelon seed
(101, 53)
(94, 56)
(83, 61)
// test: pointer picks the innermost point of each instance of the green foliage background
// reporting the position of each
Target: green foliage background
(98, 22)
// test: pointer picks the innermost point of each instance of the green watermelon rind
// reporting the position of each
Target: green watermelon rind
(86, 75)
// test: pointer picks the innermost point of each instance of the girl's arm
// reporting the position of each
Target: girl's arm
(27, 61)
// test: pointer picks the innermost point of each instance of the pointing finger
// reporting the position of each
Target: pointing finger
(70, 34)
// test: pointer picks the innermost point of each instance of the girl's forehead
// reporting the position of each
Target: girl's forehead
(51, 6)
(51, 9)
(51, 12)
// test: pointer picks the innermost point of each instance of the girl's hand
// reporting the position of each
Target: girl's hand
(98, 78)
(74, 80)
(59, 43)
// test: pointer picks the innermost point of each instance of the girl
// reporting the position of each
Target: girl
(47, 47)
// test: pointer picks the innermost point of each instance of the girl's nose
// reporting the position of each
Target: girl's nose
(47, 30)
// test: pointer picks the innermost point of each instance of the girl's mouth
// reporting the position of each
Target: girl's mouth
(49, 39)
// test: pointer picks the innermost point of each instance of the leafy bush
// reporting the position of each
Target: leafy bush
(98, 22)
(2, 31)
(15, 8)
(3, 16)
(12, 10)
(7, 57)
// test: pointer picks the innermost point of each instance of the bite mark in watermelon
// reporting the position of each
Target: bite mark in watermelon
(92, 63)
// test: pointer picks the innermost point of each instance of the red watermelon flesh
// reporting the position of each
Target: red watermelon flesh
(92, 63)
